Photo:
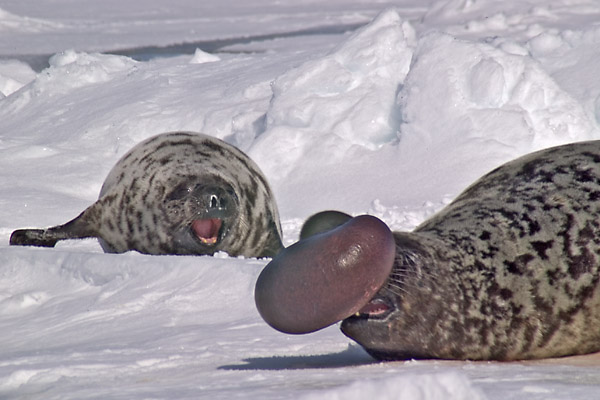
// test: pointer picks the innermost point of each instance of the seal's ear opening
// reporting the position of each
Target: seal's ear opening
(323, 221)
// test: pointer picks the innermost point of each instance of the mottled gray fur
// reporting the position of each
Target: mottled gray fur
(154, 193)
(509, 270)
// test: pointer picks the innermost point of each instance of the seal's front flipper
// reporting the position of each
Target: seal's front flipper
(32, 237)
(77, 228)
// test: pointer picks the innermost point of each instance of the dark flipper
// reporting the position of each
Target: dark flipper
(32, 237)
(74, 229)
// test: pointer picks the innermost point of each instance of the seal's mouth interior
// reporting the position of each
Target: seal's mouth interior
(207, 230)
(376, 307)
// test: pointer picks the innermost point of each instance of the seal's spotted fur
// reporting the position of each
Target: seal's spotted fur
(170, 191)
(509, 270)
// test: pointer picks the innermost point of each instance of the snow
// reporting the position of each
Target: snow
(201, 57)
(393, 118)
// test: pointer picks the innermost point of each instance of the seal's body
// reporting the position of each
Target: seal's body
(177, 193)
(509, 270)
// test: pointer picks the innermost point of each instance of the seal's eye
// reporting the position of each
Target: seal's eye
(179, 192)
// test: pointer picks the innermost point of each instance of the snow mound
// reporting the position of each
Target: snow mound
(473, 16)
(201, 57)
(14, 75)
(461, 95)
(571, 54)
(71, 70)
(391, 101)
(346, 98)
(441, 386)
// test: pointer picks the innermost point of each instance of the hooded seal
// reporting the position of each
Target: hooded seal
(509, 270)
(177, 193)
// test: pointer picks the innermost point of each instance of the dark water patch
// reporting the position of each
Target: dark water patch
(38, 62)
(217, 45)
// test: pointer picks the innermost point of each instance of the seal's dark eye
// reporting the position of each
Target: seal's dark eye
(179, 192)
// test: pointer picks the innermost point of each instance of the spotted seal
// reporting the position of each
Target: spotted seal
(177, 193)
(509, 270)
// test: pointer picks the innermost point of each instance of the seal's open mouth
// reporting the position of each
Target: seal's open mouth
(207, 230)
(374, 308)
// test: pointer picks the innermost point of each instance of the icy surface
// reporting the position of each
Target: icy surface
(393, 119)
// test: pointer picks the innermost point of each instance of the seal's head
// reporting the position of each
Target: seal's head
(402, 319)
(355, 270)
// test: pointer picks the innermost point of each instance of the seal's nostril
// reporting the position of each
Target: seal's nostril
(214, 201)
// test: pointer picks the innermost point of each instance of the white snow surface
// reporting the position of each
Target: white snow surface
(393, 118)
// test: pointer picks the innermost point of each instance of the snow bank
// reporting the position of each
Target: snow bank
(82, 69)
(568, 54)
(201, 57)
(13, 76)
(69, 318)
(405, 387)
(348, 96)
(473, 102)
(387, 101)
(324, 108)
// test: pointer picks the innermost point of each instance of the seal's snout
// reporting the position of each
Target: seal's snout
(326, 277)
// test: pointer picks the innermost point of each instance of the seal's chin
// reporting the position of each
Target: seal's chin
(207, 230)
